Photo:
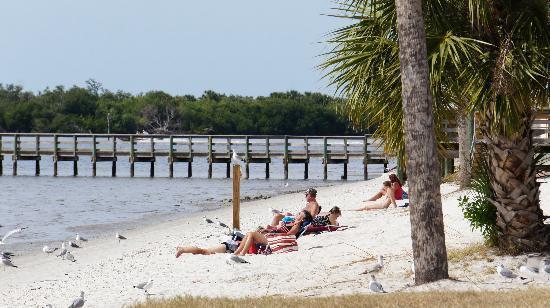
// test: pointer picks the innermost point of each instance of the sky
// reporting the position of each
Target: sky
(241, 47)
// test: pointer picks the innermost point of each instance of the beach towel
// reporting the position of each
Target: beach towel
(278, 243)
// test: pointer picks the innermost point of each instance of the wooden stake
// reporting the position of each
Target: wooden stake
(236, 196)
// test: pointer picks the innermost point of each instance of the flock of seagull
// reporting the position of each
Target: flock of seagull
(527, 271)
(65, 254)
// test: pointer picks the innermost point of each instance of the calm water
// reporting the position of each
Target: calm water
(54, 209)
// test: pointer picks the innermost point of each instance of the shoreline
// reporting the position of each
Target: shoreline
(325, 264)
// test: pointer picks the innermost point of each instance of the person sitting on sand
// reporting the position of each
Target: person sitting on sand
(256, 238)
(386, 195)
(311, 206)
(329, 218)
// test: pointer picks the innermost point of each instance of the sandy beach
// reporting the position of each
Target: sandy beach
(326, 264)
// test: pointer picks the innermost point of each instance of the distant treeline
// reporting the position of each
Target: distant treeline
(88, 110)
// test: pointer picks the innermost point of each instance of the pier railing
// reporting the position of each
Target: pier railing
(217, 149)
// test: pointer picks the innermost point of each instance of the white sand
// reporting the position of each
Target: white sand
(326, 264)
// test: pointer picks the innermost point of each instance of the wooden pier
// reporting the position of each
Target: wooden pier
(217, 149)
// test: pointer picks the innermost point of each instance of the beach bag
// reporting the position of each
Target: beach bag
(278, 243)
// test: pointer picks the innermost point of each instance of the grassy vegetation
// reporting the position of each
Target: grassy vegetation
(524, 298)
(474, 252)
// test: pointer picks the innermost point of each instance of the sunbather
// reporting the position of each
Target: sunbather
(381, 200)
(329, 218)
(256, 238)
(311, 206)
(226, 247)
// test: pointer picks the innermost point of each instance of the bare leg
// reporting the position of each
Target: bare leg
(241, 246)
(253, 238)
(377, 205)
(377, 196)
(200, 251)
(276, 219)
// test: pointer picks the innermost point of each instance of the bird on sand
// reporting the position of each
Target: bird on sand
(145, 286)
(234, 259)
(375, 268)
(78, 302)
(375, 286)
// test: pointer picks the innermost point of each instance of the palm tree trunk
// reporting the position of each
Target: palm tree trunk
(427, 232)
(519, 216)
(464, 147)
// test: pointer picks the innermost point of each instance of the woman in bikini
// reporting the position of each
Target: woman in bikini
(329, 218)
(257, 238)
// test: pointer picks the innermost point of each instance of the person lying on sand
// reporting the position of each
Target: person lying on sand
(329, 218)
(256, 238)
(381, 200)
(311, 206)
(226, 247)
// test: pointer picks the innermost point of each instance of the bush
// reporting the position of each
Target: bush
(477, 209)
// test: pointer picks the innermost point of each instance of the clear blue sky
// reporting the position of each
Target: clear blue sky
(246, 47)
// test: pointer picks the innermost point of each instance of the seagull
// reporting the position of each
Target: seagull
(10, 233)
(7, 254)
(504, 272)
(375, 286)
(119, 237)
(63, 251)
(236, 158)
(47, 249)
(412, 265)
(233, 259)
(529, 271)
(74, 245)
(145, 286)
(375, 268)
(78, 302)
(286, 184)
(208, 220)
(70, 256)
(221, 224)
(7, 263)
(80, 238)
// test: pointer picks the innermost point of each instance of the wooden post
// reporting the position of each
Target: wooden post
(365, 158)
(189, 164)
(236, 196)
(268, 156)
(1, 158)
(15, 153)
(113, 167)
(75, 155)
(94, 156)
(55, 154)
(152, 169)
(37, 153)
(228, 164)
(325, 158)
(132, 156)
(246, 157)
(306, 164)
(171, 158)
(209, 157)
(345, 176)
(285, 159)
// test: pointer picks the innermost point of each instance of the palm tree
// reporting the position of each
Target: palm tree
(485, 56)
(427, 231)
(509, 84)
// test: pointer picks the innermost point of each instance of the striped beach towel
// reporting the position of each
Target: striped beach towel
(278, 243)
